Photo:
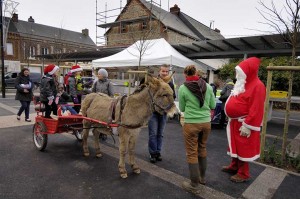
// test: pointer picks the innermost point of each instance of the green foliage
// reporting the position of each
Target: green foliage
(279, 80)
(273, 156)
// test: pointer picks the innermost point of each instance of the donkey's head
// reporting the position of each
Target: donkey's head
(162, 96)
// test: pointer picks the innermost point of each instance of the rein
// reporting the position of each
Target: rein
(155, 104)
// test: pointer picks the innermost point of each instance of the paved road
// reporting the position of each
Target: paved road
(62, 172)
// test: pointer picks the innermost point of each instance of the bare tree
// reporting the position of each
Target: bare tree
(147, 29)
(150, 28)
(285, 20)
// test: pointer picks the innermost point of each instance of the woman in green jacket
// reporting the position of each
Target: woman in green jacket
(196, 99)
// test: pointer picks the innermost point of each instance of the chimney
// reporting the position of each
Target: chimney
(85, 32)
(15, 17)
(175, 10)
(217, 30)
(30, 19)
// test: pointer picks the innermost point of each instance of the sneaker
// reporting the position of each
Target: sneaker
(27, 120)
(18, 117)
(152, 159)
(158, 157)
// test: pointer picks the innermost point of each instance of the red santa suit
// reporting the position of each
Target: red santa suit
(245, 107)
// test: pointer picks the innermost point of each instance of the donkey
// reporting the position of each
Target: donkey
(131, 113)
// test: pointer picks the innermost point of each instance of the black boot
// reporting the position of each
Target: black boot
(202, 168)
(193, 186)
(158, 157)
(152, 158)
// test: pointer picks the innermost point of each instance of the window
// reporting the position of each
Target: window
(14, 75)
(9, 49)
(144, 25)
(32, 51)
(123, 28)
(44, 51)
(24, 48)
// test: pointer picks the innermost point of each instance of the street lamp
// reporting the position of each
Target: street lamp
(2, 51)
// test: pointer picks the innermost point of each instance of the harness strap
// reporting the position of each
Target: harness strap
(122, 105)
(112, 110)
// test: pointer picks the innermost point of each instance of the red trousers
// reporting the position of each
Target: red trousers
(241, 166)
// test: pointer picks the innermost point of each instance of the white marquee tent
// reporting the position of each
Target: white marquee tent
(158, 52)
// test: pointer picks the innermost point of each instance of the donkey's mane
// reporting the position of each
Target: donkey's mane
(139, 89)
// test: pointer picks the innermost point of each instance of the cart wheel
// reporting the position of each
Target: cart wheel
(103, 136)
(40, 140)
(78, 134)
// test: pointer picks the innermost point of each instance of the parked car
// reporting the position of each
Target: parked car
(10, 78)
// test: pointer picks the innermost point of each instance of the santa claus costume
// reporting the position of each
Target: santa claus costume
(245, 109)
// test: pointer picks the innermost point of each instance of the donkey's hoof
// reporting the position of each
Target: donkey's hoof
(124, 175)
(136, 171)
(99, 155)
(86, 154)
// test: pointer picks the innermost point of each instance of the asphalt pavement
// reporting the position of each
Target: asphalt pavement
(62, 172)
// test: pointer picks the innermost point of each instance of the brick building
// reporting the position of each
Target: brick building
(26, 39)
(140, 20)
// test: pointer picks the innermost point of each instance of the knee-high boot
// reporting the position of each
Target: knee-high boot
(193, 186)
(202, 168)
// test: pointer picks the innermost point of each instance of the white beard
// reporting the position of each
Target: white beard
(239, 87)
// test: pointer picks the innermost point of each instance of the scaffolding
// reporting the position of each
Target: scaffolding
(106, 19)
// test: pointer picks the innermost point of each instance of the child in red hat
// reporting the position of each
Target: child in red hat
(48, 90)
(75, 85)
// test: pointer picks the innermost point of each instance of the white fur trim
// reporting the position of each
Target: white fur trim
(53, 70)
(254, 128)
(240, 71)
(76, 70)
(228, 134)
(243, 159)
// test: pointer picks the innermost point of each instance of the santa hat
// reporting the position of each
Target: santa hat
(75, 68)
(50, 69)
(248, 69)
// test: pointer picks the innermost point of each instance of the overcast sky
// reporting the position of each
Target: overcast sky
(233, 17)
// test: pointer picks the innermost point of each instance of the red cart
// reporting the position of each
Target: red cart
(63, 124)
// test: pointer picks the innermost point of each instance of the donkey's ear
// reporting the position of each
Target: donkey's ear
(152, 81)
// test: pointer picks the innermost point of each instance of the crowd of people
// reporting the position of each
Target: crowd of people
(242, 103)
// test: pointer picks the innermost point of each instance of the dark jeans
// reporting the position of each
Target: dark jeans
(69, 108)
(49, 108)
(77, 108)
(156, 126)
(25, 105)
(223, 118)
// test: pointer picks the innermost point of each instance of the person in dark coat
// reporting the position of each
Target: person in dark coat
(48, 90)
(103, 85)
(24, 86)
(225, 93)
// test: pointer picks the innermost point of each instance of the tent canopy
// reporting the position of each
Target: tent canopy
(154, 52)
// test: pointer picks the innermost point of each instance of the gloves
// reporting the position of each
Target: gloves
(51, 98)
(245, 132)
(75, 100)
(56, 100)
(50, 102)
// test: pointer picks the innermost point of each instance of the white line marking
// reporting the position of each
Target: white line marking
(265, 185)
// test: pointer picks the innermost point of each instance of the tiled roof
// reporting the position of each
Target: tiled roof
(182, 23)
(36, 30)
